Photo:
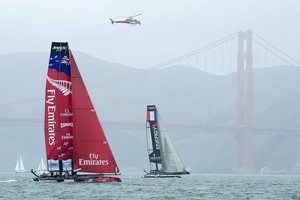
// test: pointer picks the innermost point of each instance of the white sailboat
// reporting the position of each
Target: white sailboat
(164, 160)
(42, 167)
(20, 166)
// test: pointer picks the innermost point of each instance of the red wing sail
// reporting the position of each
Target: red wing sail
(91, 149)
(58, 109)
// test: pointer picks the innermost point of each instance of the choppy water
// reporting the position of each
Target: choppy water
(133, 187)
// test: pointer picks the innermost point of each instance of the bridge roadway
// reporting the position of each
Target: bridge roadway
(174, 127)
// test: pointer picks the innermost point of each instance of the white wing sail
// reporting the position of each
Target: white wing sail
(169, 158)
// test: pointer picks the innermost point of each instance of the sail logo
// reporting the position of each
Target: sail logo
(151, 116)
(69, 124)
(68, 136)
(67, 113)
(50, 109)
(65, 60)
(61, 155)
(62, 85)
(93, 160)
(59, 48)
(156, 139)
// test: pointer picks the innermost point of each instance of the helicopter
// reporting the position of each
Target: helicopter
(129, 20)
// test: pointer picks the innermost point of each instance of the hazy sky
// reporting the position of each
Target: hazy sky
(170, 28)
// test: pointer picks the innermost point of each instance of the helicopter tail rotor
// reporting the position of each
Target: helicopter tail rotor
(112, 21)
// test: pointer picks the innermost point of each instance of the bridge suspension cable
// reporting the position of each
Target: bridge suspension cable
(174, 60)
(276, 49)
(198, 51)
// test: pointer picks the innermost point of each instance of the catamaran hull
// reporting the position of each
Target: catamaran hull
(78, 179)
(160, 176)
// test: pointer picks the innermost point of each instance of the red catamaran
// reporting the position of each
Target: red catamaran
(76, 146)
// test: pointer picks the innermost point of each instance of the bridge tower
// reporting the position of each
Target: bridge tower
(244, 112)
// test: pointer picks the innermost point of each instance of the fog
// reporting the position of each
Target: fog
(169, 28)
(198, 99)
(114, 61)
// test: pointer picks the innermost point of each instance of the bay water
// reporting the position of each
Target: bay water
(134, 187)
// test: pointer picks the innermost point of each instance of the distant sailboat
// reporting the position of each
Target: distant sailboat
(42, 167)
(20, 166)
(76, 147)
(164, 161)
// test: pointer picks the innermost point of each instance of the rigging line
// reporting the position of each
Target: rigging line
(191, 53)
(273, 52)
(277, 49)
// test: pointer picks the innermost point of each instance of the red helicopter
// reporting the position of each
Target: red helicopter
(129, 20)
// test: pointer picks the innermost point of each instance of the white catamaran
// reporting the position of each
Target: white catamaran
(164, 161)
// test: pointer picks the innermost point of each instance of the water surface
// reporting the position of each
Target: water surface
(134, 187)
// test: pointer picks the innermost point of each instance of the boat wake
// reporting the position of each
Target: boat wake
(8, 181)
